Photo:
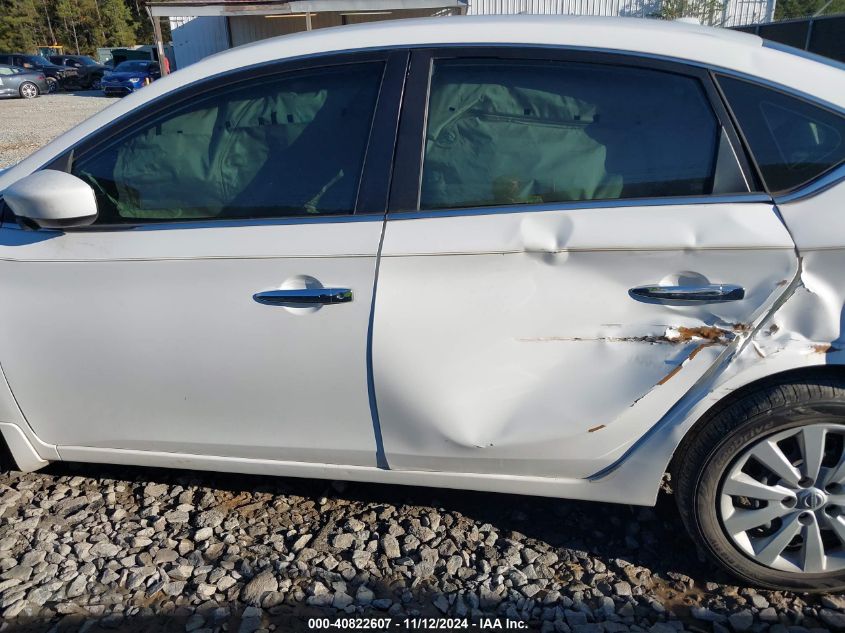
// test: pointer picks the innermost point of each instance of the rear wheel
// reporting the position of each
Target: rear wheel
(761, 485)
(52, 84)
(29, 90)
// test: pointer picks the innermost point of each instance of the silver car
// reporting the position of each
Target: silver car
(20, 82)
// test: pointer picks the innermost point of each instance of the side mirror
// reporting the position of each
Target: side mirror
(52, 199)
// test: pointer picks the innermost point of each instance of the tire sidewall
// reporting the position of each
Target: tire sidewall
(706, 499)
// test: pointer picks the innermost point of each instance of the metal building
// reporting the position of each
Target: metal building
(732, 13)
(202, 27)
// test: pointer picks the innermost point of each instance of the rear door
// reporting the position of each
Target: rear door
(574, 241)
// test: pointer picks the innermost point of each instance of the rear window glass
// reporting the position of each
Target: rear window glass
(793, 141)
(527, 132)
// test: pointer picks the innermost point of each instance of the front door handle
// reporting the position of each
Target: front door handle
(684, 295)
(304, 296)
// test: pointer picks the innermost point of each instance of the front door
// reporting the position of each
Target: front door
(220, 304)
(581, 245)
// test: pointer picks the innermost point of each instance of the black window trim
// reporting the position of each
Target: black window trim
(812, 185)
(374, 186)
(407, 175)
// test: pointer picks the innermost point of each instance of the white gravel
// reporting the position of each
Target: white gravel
(27, 124)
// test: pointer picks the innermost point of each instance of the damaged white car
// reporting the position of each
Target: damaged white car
(536, 255)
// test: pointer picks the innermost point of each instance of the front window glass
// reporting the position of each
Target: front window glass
(280, 146)
(524, 132)
(793, 141)
(38, 60)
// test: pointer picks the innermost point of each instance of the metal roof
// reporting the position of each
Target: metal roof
(167, 8)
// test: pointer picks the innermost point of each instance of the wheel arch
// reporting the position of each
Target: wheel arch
(639, 475)
(7, 460)
(23, 448)
(788, 376)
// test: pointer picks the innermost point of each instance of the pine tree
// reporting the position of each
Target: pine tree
(118, 27)
(18, 25)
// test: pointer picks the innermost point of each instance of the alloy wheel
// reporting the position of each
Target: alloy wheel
(52, 85)
(782, 501)
(29, 90)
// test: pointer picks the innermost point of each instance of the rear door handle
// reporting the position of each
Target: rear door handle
(304, 296)
(683, 295)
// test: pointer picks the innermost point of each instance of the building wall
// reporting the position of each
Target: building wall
(249, 28)
(735, 13)
(197, 37)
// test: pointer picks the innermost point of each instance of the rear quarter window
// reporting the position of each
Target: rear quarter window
(792, 140)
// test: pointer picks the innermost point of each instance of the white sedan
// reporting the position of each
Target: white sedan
(549, 256)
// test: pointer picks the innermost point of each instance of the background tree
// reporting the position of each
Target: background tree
(785, 9)
(19, 26)
(119, 28)
(80, 26)
(705, 11)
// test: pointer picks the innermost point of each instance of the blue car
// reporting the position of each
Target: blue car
(128, 76)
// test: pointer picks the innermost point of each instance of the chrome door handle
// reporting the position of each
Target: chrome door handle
(683, 295)
(304, 296)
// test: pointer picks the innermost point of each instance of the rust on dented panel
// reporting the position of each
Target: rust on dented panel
(705, 331)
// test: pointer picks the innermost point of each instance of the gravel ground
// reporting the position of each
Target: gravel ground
(100, 548)
(27, 124)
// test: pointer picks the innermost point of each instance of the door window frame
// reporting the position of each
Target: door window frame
(374, 185)
(407, 173)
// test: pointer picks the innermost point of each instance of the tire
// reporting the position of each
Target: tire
(720, 465)
(52, 85)
(28, 90)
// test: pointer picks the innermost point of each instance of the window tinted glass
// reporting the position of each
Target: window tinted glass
(502, 132)
(283, 146)
(792, 140)
(133, 65)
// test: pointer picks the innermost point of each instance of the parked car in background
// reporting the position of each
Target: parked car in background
(527, 254)
(89, 71)
(20, 82)
(130, 75)
(57, 76)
